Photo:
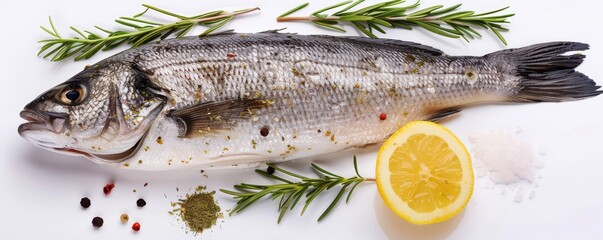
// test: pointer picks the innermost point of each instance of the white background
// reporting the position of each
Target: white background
(40, 191)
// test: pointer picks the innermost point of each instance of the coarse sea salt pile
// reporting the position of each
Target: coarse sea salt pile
(507, 160)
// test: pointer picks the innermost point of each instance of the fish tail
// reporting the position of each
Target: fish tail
(547, 72)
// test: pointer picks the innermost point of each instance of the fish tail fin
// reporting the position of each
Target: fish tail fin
(547, 72)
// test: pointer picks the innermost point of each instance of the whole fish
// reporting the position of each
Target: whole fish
(242, 99)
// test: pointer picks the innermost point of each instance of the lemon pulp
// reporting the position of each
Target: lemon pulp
(424, 173)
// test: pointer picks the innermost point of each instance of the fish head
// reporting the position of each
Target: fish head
(103, 113)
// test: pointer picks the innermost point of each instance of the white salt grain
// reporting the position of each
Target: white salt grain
(506, 158)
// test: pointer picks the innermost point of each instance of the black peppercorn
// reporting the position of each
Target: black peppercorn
(141, 202)
(270, 170)
(97, 222)
(85, 202)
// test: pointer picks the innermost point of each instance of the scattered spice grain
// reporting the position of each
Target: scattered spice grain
(108, 188)
(85, 202)
(97, 222)
(141, 202)
(136, 226)
(199, 211)
(124, 218)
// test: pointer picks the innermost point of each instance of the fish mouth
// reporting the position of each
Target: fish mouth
(110, 158)
(42, 121)
(56, 123)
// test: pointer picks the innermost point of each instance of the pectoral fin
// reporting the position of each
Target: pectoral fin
(208, 117)
(443, 115)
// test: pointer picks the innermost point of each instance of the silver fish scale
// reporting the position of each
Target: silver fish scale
(334, 88)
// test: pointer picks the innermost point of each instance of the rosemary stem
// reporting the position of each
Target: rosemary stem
(313, 18)
(447, 22)
(290, 193)
(86, 45)
(110, 38)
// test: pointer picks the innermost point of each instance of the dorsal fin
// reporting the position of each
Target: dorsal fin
(207, 117)
(273, 30)
(393, 43)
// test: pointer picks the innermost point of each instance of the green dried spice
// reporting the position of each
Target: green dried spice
(199, 211)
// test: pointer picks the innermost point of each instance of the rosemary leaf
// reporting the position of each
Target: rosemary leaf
(90, 52)
(425, 12)
(362, 29)
(127, 24)
(285, 207)
(353, 18)
(322, 170)
(53, 51)
(446, 10)
(48, 31)
(333, 203)
(298, 196)
(312, 196)
(372, 7)
(458, 15)
(216, 26)
(142, 13)
(492, 12)
(104, 30)
(185, 31)
(286, 172)
(348, 7)
(54, 30)
(328, 25)
(62, 51)
(209, 14)
(401, 24)
(78, 31)
(436, 30)
(382, 22)
(331, 7)
(497, 33)
(139, 20)
(46, 46)
(356, 166)
(162, 11)
(351, 191)
(268, 175)
(295, 9)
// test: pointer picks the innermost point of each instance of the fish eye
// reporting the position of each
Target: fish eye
(72, 94)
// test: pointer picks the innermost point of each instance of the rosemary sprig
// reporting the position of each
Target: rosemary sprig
(290, 192)
(140, 31)
(447, 22)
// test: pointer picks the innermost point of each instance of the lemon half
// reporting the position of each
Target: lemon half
(424, 173)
